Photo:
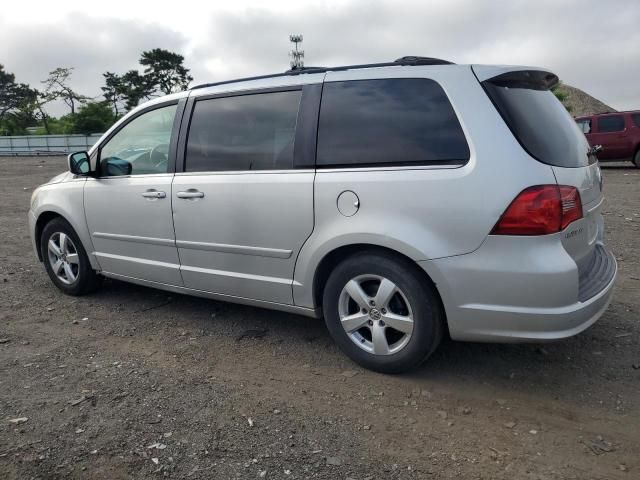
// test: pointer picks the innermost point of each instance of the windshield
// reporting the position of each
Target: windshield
(538, 119)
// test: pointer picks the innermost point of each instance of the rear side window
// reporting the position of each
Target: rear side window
(636, 119)
(611, 123)
(388, 122)
(537, 119)
(584, 124)
(247, 132)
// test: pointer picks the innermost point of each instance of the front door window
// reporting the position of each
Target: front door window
(141, 146)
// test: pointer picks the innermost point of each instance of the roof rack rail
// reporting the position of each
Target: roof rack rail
(414, 60)
(403, 61)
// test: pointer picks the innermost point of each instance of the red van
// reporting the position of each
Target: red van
(618, 133)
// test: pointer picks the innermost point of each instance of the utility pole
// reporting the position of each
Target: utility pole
(296, 55)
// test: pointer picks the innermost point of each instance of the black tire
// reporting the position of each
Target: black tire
(636, 158)
(87, 279)
(419, 292)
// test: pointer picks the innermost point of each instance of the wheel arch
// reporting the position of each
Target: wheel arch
(335, 256)
(47, 213)
(42, 220)
(636, 153)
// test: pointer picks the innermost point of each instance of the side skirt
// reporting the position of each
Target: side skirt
(308, 312)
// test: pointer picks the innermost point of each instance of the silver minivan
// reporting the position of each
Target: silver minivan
(401, 201)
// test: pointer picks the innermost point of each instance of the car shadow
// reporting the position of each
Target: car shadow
(527, 368)
(618, 166)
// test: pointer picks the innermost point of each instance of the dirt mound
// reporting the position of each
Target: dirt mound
(581, 103)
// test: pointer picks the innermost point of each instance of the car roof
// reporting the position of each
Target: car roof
(603, 114)
(403, 61)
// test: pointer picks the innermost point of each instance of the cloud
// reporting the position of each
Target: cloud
(90, 45)
(590, 44)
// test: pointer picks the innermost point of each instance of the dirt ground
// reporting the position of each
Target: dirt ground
(132, 382)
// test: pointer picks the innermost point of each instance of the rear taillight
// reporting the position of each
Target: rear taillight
(540, 210)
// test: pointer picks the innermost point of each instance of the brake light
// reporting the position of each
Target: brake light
(540, 210)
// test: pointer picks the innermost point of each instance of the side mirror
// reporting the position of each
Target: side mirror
(79, 163)
(115, 167)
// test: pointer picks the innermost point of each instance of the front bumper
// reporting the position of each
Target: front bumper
(507, 293)
(32, 233)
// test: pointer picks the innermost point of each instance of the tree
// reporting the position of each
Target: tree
(57, 86)
(124, 92)
(113, 91)
(27, 110)
(135, 87)
(165, 71)
(12, 95)
(37, 101)
(7, 91)
(93, 117)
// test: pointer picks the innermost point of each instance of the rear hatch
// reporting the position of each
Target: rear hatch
(523, 96)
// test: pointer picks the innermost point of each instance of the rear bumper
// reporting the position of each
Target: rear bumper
(502, 293)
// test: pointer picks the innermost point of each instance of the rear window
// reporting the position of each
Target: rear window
(612, 123)
(537, 119)
(404, 121)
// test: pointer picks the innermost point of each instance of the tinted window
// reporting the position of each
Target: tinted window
(537, 119)
(636, 119)
(248, 132)
(394, 121)
(613, 123)
(141, 146)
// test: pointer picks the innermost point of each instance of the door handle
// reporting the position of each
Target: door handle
(189, 194)
(154, 194)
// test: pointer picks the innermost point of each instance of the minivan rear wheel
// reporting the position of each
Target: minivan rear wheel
(636, 158)
(65, 259)
(382, 312)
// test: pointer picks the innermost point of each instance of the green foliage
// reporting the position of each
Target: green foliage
(16, 123)
(23, 107)
(15, 100)
(165, 71)
(562, 96)
(113, 91)
(93, 117)
(136, 87)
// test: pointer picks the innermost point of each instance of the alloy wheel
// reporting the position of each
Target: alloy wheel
(375, 314)
(63, 258)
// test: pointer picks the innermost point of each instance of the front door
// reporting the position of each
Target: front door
(242, 210)
(128, 204)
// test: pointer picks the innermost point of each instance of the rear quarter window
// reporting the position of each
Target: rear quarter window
(636, 119)
(584, 124)
(537, 119)
(613, 123)
(388, 122)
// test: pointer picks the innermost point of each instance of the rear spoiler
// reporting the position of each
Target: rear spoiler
(512, 76)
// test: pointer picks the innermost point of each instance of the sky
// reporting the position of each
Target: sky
(591, 44)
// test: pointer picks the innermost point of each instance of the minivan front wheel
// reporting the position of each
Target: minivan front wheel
(65, 259)
(382, 312)
(636, 158)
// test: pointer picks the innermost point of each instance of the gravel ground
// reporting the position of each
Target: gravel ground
(132, 382)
